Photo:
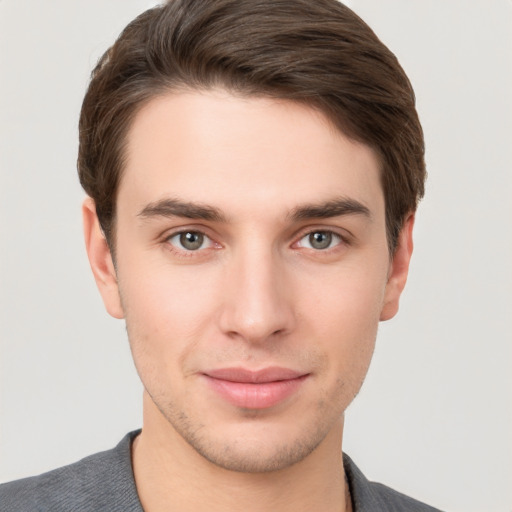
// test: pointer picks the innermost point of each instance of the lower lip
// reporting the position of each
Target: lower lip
(255, 396)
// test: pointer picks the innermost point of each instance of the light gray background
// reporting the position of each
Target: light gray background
(435, 416)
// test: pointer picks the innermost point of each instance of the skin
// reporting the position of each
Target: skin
(254, 178)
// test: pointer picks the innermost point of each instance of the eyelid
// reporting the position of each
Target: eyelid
(335, 239)
(343, 236)
(206, 239)
(173, 232)
(186, 228)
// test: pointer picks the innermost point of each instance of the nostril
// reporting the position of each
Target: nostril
(256, 306)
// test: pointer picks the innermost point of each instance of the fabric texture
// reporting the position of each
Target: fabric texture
(104, 483)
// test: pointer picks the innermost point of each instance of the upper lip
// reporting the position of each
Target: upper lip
(269, 374)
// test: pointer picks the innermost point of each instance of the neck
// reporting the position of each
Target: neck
(171, 475)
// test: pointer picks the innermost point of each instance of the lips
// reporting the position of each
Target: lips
(259, 389)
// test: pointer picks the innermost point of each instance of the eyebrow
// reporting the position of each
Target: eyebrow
(332, 208)
(170, 207)
(177, 208)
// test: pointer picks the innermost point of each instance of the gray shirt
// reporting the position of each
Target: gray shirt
(104, 482)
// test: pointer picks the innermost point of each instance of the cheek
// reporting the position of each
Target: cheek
(347, 299)
(343, 315)
(165, 310)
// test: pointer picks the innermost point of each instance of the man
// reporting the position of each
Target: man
(252, 171)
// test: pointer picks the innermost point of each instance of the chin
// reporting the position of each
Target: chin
(257, 456)
(255, 444)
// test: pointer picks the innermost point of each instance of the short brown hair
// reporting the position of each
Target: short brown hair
(316, 52)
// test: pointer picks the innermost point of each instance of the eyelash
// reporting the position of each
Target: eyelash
(340, 240)
(333, 237)
(184, 252)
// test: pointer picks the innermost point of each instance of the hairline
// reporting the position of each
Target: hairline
(163, 90)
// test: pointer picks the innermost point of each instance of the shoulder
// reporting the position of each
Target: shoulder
(396, 501)
(374, 497)
(103, 481)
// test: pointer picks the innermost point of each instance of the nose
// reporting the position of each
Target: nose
(258, 299)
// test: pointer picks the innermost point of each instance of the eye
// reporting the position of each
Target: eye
(320, 240)
(190, 241)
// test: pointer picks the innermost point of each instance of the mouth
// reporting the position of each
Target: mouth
(259, 389)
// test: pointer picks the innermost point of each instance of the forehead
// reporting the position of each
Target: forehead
(233, 151)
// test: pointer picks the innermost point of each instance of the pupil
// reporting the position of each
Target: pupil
(191, 240)
(320, 240)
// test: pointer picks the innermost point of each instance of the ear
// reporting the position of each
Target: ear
(398, 270)
(100, 260)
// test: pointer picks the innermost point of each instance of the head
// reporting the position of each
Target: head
(255, 165)
(318, 53)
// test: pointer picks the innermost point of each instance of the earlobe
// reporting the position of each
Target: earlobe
(100, 259)
(398, 270)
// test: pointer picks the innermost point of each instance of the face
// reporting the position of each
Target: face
(252, 270)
